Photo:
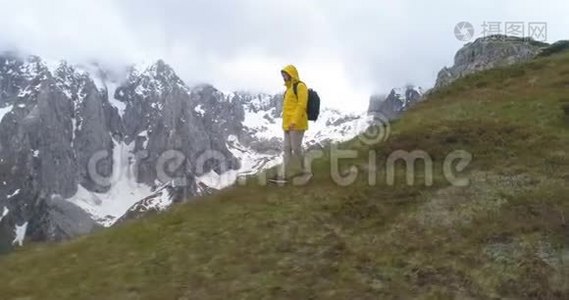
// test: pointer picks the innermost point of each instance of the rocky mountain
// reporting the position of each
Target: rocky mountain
(489, 52)
(396, 102)
(82, 147)
(47, 133)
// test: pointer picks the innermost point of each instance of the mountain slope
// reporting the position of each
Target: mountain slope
(504, 235)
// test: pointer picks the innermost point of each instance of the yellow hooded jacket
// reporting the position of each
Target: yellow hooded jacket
(294, 106)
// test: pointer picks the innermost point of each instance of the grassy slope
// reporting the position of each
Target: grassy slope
(505, 235)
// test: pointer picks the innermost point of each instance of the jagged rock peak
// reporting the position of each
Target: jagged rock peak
(154, 80)
(396, 102)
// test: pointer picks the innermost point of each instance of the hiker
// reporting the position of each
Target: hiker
(295, 122)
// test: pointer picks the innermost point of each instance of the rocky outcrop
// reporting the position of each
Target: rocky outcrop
(91, 124)
(221, 114)
(486, 53)
(53, 122)
(396, 102)
(161, 118)
(58, 219)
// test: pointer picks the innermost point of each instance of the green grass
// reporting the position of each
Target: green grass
(505, 235)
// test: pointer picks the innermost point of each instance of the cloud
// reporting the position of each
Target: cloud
(345, 49)
(76, 30)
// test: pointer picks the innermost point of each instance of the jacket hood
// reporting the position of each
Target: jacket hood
(291, 70)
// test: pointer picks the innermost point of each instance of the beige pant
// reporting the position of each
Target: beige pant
(293, 154)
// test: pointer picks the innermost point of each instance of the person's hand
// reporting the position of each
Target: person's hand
(292, 126)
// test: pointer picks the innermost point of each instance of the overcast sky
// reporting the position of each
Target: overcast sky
(346, 50)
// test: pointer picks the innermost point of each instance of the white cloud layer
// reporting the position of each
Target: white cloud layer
(345, 49)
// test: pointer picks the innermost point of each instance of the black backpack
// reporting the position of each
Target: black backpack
(313, 104)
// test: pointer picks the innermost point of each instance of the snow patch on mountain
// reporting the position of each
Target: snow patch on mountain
(20, 234)
(335, 126)
(164, 201)
(16, 192)
(107, 207)
(252, 162)
(110, 88)
(402, 94)
(262, 124)
(4, 213)
(160, 200)
(199, 109)
(214, 180)
(5, 110)
(106, 82)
